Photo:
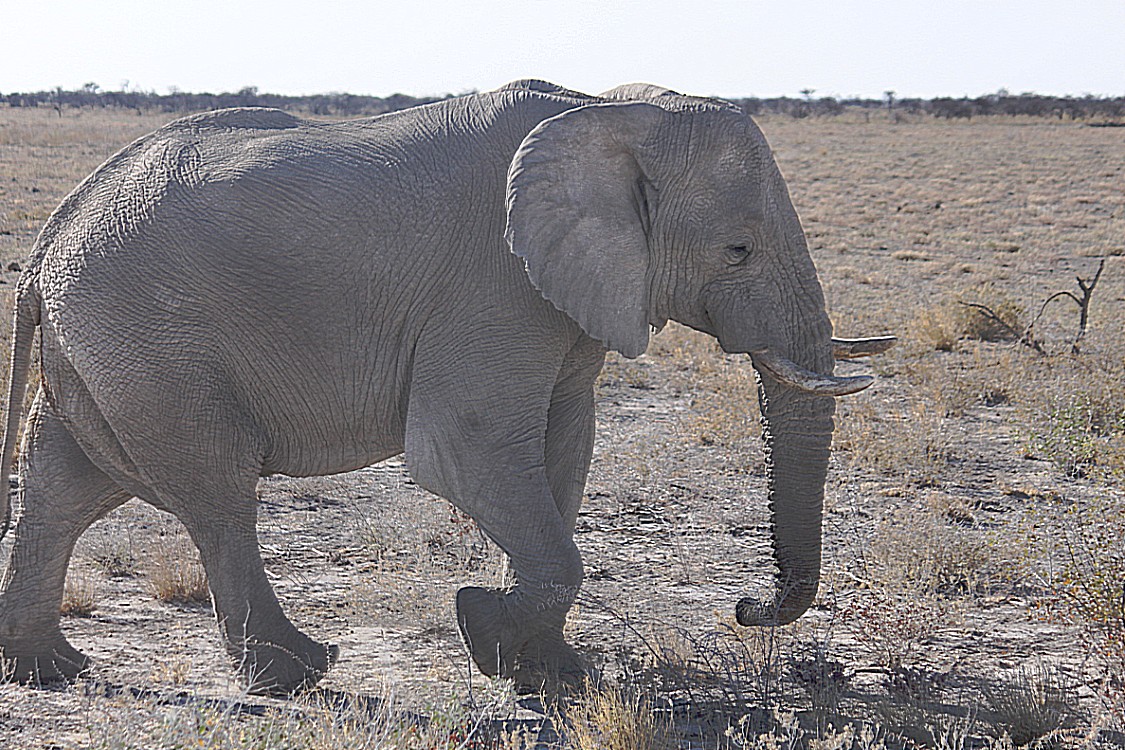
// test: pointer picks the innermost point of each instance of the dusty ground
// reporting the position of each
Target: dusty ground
(947, 510)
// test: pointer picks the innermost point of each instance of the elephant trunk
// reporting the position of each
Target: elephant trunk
(793, 352)
(797, 430)
(789, 340)
(797, 399)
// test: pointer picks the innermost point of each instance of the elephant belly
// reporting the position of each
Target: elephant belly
(330, 436)
(337, 460)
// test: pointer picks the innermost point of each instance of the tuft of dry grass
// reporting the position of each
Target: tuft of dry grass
(80, 597)
(979, 313)
(116, 557)
(1075, 414)
(1031, 705)
(937, 329)
(176, 575)
(728, 670)
(988, 313)
(936, 550)
(896, 624)
(611, 719)
(911, 440)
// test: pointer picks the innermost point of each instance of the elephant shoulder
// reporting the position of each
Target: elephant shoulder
(637, 92)
(238, 118)
(664, 97)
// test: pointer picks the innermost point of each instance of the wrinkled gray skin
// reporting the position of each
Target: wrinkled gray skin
(243, 293)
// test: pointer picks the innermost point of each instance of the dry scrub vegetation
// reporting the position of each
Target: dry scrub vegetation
(974, 566)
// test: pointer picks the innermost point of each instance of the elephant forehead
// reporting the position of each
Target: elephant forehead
(724, 198)
(741, 168)
(742, 201)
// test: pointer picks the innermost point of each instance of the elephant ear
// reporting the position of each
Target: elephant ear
(578, 215)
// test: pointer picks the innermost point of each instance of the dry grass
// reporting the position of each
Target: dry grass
(1074, 413)
(938, 550)
(608, 719)
(1031, 705)
(1089, 590)
(979, 313)
(418, 549)
(720, 390)
(116, 557)
(175, 574)
(314, 723)
(975, 490)
(80, 596)
(896, 625)
(912, 441)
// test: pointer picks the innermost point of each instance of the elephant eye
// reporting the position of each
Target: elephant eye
(736, 254)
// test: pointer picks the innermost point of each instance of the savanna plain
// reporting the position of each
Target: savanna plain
(973, 591)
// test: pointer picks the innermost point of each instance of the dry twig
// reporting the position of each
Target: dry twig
(1026, 338)
(1087, 288)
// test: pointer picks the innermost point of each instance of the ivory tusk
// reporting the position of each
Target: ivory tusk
(791, 374)
(853, 348)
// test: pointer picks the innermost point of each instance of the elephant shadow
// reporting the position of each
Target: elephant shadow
(339, 705)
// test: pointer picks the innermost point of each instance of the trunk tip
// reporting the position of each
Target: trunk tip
(751, 612)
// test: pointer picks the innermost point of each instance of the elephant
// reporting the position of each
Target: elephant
(244, 293)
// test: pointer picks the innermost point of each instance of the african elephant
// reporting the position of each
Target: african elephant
(243, 293)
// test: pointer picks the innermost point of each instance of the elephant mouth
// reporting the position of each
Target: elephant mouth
(789, 373)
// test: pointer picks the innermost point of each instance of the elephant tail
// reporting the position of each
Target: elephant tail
(25, 319)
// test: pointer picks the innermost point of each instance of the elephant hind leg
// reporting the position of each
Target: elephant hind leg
(202, 465)
(63, 493)
(271, 654)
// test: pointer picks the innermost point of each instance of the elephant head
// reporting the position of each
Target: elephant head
(628, 214)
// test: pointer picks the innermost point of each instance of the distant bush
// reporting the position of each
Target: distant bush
(90, 96)
(1028, 104)
(1000, 103)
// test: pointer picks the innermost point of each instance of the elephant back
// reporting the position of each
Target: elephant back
(237, 118)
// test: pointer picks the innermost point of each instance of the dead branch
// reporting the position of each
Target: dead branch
(1024, 338)
(1087, 292)
(1087, 289)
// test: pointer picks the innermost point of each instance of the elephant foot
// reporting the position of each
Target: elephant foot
(487, 630)
(538, 660)
(42, 664)
(273, 670)
(550, 666)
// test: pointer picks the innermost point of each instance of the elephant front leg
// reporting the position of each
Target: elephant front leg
(519, 633)
(546, 658)
(516, 633)
(509, 443)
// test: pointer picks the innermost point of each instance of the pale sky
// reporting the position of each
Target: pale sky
(921, 48)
